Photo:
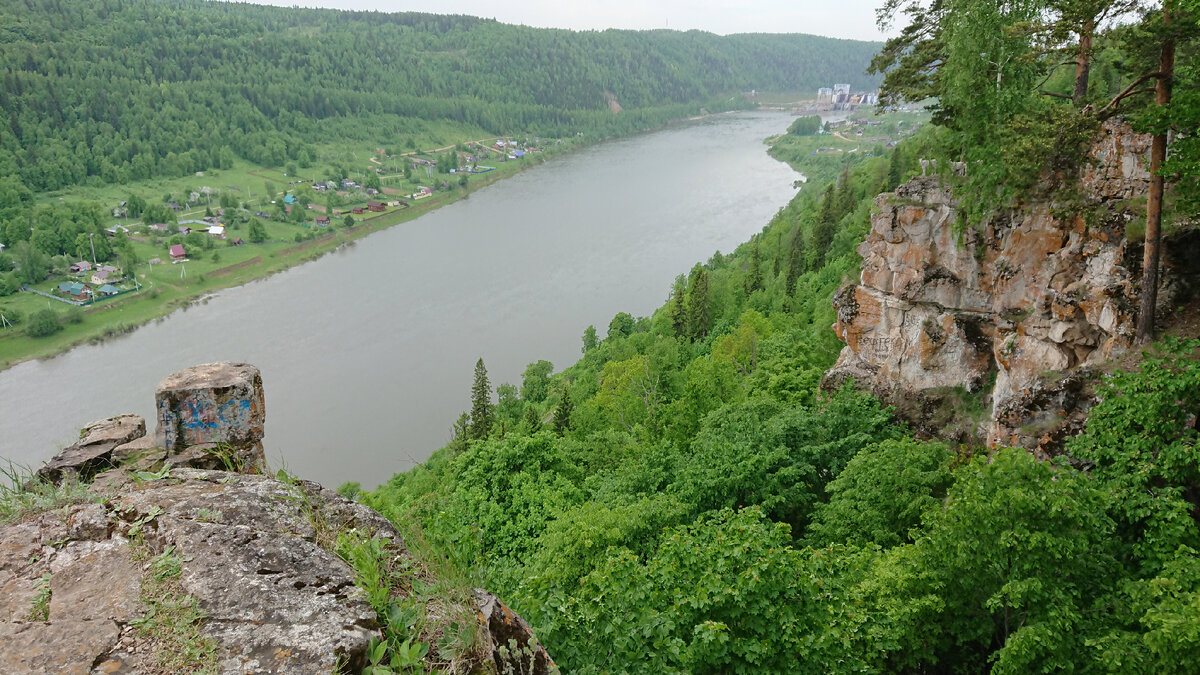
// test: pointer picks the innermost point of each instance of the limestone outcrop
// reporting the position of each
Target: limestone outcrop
(1012, 313)
(250, 561)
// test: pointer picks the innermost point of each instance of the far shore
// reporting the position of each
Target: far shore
(98, 322)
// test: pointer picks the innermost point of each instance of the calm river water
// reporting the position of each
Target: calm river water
(367, 354)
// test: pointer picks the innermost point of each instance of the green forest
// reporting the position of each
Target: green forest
(687, 498)
(121, 90)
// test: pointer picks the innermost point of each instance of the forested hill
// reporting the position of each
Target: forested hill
(119, 90)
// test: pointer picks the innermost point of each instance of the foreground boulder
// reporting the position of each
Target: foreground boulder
(92, 453)
(253, 555)
(210, 416)
(214, 404)
(169, 564)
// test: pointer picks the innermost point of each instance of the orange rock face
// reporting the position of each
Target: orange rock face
(1019, 296)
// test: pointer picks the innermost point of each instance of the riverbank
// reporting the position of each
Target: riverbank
(166, 288)
(370, 350)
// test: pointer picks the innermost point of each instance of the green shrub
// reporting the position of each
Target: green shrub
(44, 322)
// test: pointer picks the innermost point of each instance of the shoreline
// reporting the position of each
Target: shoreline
(235, 275)
(238, 274)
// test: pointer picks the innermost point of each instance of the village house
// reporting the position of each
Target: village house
(112, 231)
(375, 206)
(319, 187)
(108, 289)
(217, 231)
(159, 227)
(262, 214)
(185, 230)
(358, 210)
(174, 206)
(371, 192)
(289, 198)
(104, 274)
(81, 266)
(177, 253)
(76, 290)
(323, 221)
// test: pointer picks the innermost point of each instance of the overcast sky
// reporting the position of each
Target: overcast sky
(835, 18)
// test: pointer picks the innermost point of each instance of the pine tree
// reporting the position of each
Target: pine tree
(778, 255)
(562, 412)
(795, 260)
(845, 196)
(823, 230)
(459, 432)
(895, 169)
(753, 280)
(533, 419)
(699, 306)
(482, 411)
(676, 307)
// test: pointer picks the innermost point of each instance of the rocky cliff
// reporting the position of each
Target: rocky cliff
(172, 553)
(992, 333)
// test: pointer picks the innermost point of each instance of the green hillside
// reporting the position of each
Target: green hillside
(120, 90)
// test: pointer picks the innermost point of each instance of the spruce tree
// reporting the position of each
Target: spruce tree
(482, 411)
(699, 307)
(795, 260)
(562, 412)
(533, 418)
(778, 255)
(845, 196)
(753, 280)
(895, 169)
(676, 307)
(822, 232)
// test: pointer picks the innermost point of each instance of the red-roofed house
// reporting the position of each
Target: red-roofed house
(177, 253)
(375, 206)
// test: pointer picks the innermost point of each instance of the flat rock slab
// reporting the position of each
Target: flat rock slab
(253, 553)
(95, 580)
(210, 403)
(61, 647)
(275, 601)
(93, 452)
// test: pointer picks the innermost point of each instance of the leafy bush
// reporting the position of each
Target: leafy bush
(44, 322)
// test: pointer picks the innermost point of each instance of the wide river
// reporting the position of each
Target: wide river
(367, 353)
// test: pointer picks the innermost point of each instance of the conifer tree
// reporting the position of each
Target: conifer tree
(699, 307)
(778, 255)
(795, 260)
(562, 412)
(676, 307)
(753, 280)
(482, 411)
(533, 419)
(895, 169)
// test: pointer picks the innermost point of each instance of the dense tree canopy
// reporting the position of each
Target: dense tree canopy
(119, 90)
(705, 508)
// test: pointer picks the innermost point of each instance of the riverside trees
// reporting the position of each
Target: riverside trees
(699, 505)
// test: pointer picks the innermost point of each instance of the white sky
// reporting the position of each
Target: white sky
(853, 19)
